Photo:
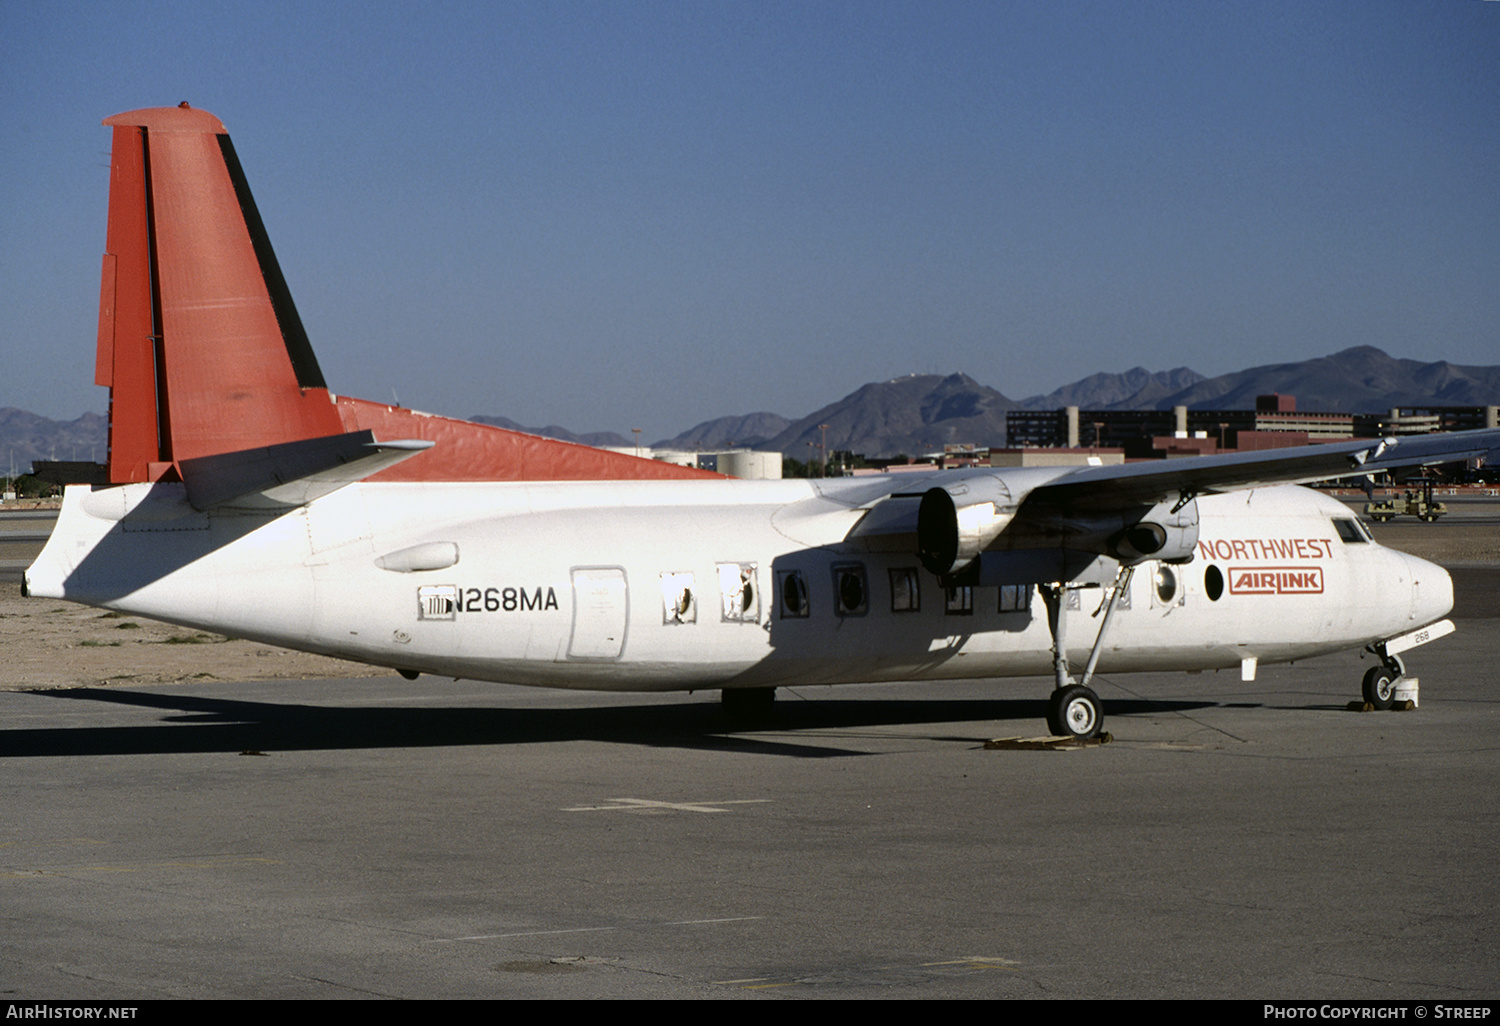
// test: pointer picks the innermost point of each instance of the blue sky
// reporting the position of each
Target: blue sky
(618, 215)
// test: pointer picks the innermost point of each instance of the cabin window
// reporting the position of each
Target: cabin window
(959, 600)
(1015, 598)
(906, 596)
(1166, 584)
(1213, 583)
(1350, 530)
(850, 594)
(791, 587)
(679, 604)
(740, 598)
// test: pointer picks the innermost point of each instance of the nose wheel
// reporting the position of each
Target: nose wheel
(1379, 685)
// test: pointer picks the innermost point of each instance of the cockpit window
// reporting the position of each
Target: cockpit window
(1349, 531)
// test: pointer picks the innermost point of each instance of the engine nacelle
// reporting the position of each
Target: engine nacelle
(1157, 533)
(1150, 540)
(957, 522)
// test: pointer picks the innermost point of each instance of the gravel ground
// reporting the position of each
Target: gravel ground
(53, 644)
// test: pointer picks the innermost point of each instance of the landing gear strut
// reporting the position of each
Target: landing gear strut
(1073, 710)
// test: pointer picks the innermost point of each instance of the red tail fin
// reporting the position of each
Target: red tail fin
(206, 353)
(203, 351)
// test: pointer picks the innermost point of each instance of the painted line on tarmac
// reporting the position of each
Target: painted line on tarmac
(649, 805)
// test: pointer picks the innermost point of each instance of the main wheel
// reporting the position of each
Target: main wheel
(1379, 687)
(1074, 711)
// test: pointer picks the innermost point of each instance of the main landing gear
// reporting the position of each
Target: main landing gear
(752, 705)
(1073, 710)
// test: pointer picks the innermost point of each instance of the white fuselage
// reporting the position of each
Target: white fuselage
(649, 586)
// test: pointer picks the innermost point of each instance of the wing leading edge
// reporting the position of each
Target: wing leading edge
(1135, 483)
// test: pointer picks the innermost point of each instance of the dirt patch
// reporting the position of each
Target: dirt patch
(48, 643)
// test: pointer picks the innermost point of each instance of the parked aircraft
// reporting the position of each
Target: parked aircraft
(246, 498)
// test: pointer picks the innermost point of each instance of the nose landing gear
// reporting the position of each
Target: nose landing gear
(1379, 685)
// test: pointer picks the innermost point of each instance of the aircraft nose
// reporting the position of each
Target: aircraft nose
(1431, 590)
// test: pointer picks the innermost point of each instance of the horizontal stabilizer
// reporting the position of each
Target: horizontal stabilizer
(290, 474)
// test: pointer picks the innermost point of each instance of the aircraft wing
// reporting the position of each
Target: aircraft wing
(1132, 484)
(1128, 512)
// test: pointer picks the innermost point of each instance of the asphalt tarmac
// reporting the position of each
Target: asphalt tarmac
(382, 838)
(379, 838)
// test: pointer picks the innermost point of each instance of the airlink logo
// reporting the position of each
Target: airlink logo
(1282, 580)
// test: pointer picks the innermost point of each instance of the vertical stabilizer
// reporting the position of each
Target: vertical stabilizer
(203, 351)
(199, 340)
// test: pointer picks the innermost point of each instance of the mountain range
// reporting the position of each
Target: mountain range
(922, 412)
(26, 436)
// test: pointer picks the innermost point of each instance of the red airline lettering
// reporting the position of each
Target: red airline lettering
(1288, 580)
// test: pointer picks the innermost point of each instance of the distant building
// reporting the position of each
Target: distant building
(1071, 428)
(66, 472)
(959, 457)
(1274, 423)
(1421, 420)
(742, 463)
(1056, 457)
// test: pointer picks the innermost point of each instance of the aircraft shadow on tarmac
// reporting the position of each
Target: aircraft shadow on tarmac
(194, 723)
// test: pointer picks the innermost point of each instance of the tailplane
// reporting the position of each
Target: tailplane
(204, 354)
